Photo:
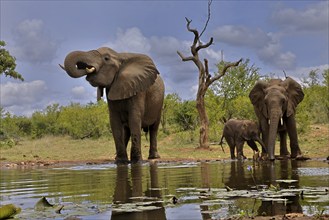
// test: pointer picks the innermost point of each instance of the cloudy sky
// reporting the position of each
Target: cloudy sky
(275, 36)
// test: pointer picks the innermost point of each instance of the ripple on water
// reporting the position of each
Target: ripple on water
(309, 171)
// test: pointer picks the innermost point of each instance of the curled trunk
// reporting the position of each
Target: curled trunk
(80, 63)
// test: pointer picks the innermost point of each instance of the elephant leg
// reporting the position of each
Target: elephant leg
(292, 132)
(153, 152)
(239, 150)
(283, 144)
(231, 144)
(126, 136)
(118, 135)
(135, 133)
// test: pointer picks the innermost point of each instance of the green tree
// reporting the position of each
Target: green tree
(170, 104)
(8, 63)
(315, 106)
(186, 115)
(233, 90)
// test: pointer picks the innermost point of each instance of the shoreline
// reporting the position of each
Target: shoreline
(57, 163)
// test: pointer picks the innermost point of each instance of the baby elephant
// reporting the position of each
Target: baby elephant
(236, 132)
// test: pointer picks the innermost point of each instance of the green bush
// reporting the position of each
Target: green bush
(91, 121)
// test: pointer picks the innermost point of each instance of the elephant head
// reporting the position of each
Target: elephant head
(250, 130)
(122, 74)
(273, 102)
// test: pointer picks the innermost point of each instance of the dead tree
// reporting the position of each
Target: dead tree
(205, 79)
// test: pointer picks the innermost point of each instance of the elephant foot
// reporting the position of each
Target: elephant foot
(283, 157)
(302, 157)
(119, 161)
(135, 160)
(154, 156)
(270, 157)
(256, 156)
(242, 157)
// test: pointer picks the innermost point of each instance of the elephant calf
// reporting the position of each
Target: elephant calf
(236, 132)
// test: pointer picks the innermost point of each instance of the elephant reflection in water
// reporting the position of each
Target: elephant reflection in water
(238, 178)
(267, 174)
(270, 208)
(126, 188)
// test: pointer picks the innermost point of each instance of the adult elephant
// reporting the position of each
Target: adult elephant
(275, 105)
(135, 93)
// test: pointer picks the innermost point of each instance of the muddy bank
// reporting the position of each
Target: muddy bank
(53, 163)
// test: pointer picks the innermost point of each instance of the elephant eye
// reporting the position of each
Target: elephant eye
(106, 58)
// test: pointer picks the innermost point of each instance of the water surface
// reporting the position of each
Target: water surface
(203, 190)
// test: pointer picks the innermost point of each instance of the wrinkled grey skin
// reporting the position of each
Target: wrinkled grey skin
(134, 91)
(275, 105)
(236, 132)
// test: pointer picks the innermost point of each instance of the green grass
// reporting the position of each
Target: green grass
(178, 146)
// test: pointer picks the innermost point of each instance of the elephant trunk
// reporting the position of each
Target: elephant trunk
(261, 144)
(80, 63)
(273, 130)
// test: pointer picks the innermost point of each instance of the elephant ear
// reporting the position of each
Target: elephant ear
(257, 96)
(295, 94)
(244, 130)
(136, 74)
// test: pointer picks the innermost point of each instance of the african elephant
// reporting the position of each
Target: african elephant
(236, 132)
(135, 93)
(275, 105)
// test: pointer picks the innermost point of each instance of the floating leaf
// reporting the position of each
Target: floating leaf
(286, 181)
(8, 211)
(148, 208)
(185, 189)
(42, 204)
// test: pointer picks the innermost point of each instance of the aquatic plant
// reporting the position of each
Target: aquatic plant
(251, 170)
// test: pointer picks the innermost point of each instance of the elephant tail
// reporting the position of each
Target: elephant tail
(221, 143)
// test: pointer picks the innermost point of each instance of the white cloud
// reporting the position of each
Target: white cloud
(304, 71)
(33, 43)
(266, 45)
(313, 18)
(20, 94)
(242, 36)
(130, 40)
(79, 92)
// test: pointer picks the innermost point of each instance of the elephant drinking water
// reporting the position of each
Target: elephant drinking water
(134, 91)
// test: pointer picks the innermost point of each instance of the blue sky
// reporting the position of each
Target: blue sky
(274, 35)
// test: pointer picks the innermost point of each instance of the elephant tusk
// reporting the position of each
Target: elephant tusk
(281, 121)
(269, 121)
(62, 67)
(90, 70)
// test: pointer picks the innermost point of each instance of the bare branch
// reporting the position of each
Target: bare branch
(194, 31)
(208, 19)
(285, 75)
(185, 58)
(226, 67)
(205, 45)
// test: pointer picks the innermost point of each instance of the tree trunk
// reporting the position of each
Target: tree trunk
(204, 122)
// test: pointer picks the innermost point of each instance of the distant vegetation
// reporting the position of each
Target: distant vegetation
(227, 98)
